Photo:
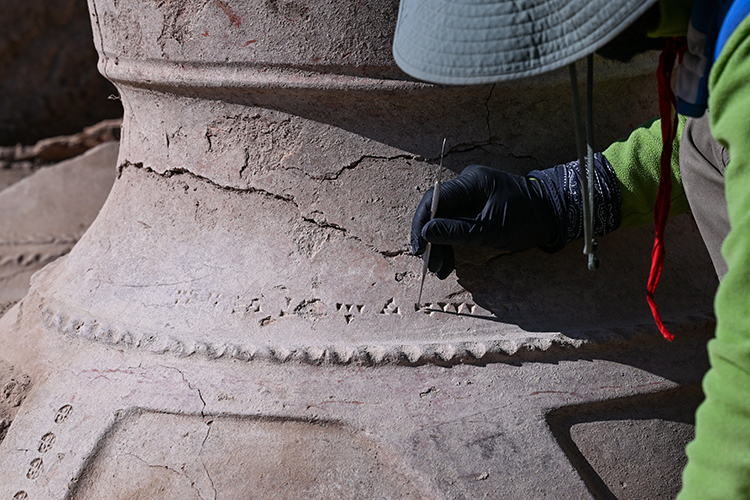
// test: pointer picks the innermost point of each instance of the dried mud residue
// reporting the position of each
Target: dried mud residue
(13, 390)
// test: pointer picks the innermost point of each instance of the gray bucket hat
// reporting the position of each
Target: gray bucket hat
(463, 42)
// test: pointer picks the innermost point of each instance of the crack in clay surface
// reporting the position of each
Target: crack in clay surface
(332, 176)
(324, 224)
(181, 171)
(209, 423)
(190, 386)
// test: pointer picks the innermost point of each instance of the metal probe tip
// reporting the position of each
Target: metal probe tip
(433, 211)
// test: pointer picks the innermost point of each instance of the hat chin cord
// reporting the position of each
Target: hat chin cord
(587, 151)
(673, 51)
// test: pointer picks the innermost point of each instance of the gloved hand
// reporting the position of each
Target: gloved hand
(483, 206)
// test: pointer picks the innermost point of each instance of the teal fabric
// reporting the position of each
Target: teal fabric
(464, 42)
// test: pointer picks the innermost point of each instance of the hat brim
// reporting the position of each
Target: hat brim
(463, 42)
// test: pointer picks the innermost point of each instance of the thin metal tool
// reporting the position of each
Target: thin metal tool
(433, 211)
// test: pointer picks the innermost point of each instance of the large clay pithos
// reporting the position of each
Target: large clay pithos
(249, 281)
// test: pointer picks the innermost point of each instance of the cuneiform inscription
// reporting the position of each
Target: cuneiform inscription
(35, 468)
(185, 297)
(390, 307)
(451, 307)
(63, 413)
(276, 306)
(278, 302)
(349, 310)
(46, 442)
(236, 304)
(246, 307)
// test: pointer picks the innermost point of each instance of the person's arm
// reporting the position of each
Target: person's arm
(719, 457)
(488, 207)
(544, 208)
(635, 161)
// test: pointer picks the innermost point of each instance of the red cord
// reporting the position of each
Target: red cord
(674, 48)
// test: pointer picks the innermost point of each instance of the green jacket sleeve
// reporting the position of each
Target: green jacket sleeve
(636, 163)
(719, 457)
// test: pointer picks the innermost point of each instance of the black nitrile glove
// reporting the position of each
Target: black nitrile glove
(489, 207)
(486, 207)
